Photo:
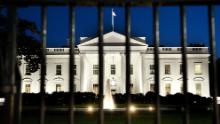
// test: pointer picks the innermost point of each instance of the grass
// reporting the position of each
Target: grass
(112, 117)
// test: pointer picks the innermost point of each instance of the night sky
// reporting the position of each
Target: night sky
(141, 24)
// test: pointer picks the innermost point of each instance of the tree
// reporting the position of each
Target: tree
(28, 46)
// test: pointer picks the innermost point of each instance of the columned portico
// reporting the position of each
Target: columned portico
(114, 62)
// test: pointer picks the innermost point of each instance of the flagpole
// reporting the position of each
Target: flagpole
(112, 20)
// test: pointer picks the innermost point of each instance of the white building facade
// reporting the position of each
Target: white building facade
(142, 68)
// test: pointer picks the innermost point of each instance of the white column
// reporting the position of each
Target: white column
(143, 74)
(83, 74)
(122, 84)
(139, 75)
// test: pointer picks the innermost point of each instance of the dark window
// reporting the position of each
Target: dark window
(151, 69)
(27, 70)
(95, 69)
(131, 69)
(167, 69)
(181, 69)
(58, 69)
(74, 69)
(113, 69)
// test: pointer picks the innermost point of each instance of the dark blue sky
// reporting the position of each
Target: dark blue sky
(141, 23)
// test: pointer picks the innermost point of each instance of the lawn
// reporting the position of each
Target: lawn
(111, 117)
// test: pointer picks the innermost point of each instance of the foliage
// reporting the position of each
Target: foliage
(84, 98)
(28, 46)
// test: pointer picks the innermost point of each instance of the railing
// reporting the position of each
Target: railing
(12, 89)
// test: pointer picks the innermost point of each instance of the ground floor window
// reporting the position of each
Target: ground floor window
(58, 88)
(152, 87)
(27, 88)
(74, 88)
(167, 88)
(198, 88)
(132, 88)
(181, 88)
(95, 88)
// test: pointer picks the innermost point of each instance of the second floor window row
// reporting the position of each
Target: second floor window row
(167, 69)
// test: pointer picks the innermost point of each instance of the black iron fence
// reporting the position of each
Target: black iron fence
(11, 85)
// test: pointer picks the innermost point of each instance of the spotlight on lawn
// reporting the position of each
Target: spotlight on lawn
(90, 109)
(150, 108)
(132, 108)
(2, 101)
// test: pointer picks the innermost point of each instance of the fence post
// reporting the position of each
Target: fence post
(101, 62)
(43, 64)
(71, 62)
(183, 31)
(8, 67)
(128, 55)
(156, 60)
(212, 75)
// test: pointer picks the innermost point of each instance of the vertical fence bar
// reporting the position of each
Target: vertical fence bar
(71, 62)
(183, 30)
(101, 63)
(43, 64)
(127, 52)
(212, 75)
(8, 81)
(156, 60)
(18, 99)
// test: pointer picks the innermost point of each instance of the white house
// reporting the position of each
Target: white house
(142, 68)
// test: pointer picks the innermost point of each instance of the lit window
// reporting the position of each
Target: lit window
(131, 69)
(167, 69)
(95, 88)
(167, 88)
(113, 69)
(27, 88)
(151, 69)
(181, 88)
(198, 88)
(74, 69)
(152, 87)
(198, 68)
(113, 82)
(27, 70)
(95, 69)
(58, 88)
(58, 69)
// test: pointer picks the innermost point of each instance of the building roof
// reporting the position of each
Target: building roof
(112, 39)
